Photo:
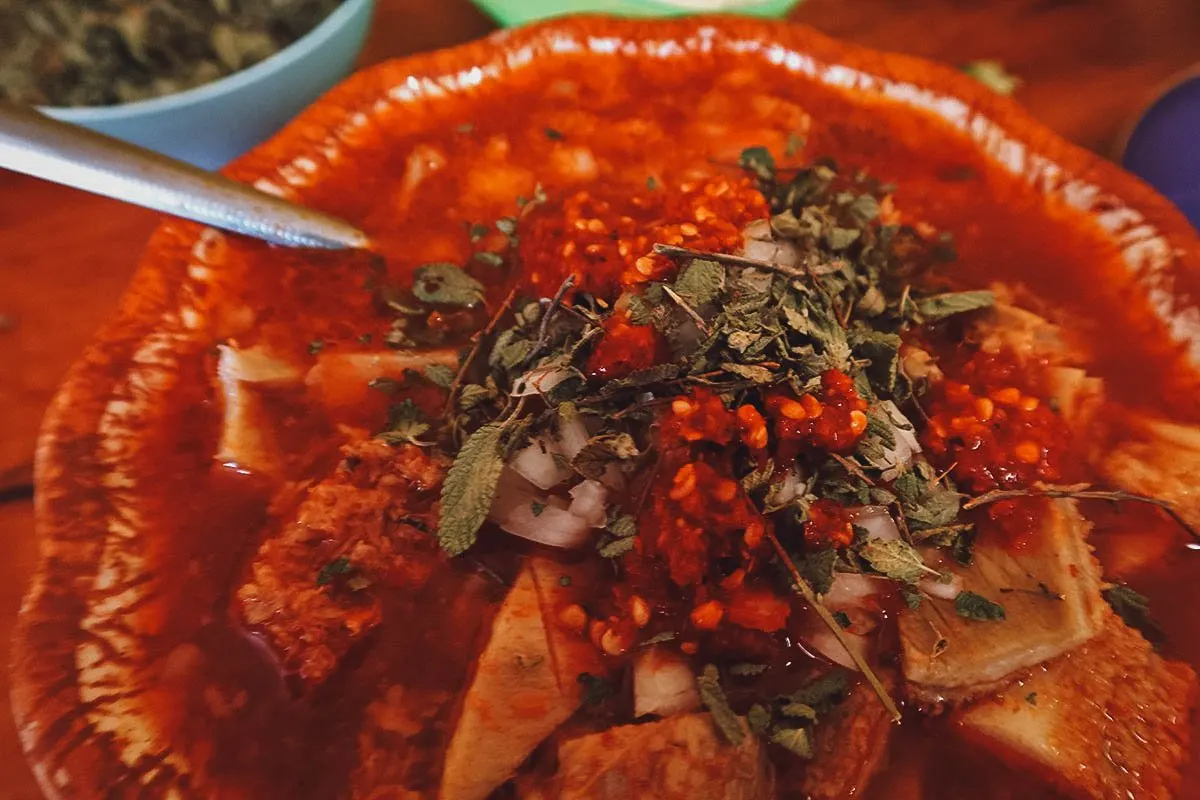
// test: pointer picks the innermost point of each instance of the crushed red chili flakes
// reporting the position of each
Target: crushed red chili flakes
(606, 238)
(833, 422)
(699, 416)
(995, 435)
(752, 428)
(698, 517)
(828, 525)
(625, 348)
(759, 609)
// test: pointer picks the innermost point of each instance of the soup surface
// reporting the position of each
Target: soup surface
(690, 434)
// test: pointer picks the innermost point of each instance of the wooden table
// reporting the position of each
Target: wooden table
(1087, 67)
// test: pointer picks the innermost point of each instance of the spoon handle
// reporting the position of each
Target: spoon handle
(36, 145)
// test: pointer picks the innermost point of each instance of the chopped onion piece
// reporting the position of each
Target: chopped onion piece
(759, 244)
(572, 436)
(899, 457)
(520, 509)
(253, 365)
(849, 589)
(588, 502)
(552, 526)
(945, 590)
(787, 489)
(546, 461)
(826, 643)
(542, 463)
(540, 380)
(663, 684)
(877, 521)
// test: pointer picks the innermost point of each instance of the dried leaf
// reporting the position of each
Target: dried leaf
(896, 559)
(701, 282)
(469, 489)
(1134, 609)
(824, 693)
(339, 566)
(616, 548)
(439, 374)
(747, 670)
(405, 424)
(759, 162)
(818, 569)
(992, 74)
(800, 711)
(593, 460)
(751, 372)
(741, 340)
(838, 239)
(623, 526)
(713, 698)
(446, 284)
(940, 306)
(759, 719)
(977, 607)
(797, 740)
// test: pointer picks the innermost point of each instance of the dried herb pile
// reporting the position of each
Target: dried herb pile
(740, 329)
(737, 327)
(828, 298)
(104, 52)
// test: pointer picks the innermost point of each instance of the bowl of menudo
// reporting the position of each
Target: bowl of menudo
(722, 411)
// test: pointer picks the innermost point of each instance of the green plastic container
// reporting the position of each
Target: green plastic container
(518, 12)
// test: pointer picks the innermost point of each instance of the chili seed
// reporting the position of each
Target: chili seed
(1027, 452)
(573, 617)
(793, 410)
(707, 616)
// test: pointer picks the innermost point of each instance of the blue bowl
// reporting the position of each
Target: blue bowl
(1164, 146)
(212, 124)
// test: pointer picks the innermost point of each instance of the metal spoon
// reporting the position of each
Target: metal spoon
(36, 145)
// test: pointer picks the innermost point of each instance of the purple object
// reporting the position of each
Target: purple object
(1164, 147)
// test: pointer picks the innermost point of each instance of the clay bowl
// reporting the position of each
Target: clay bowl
(95, 653)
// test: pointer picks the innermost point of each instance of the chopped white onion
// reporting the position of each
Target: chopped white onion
(522, 509)
(919, 364)
(899, 457)
(849, 589)
(572, 436)
(945, 590)
(759, 244)
(252, 365)
(540, 380)
(826, 643)
(553, 526)
(588, 499)
(786, 490)
(663, 684)
(546, 461)
(541, 463)
(876, 520)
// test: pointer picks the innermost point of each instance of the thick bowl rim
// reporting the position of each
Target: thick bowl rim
(277, 62)
(79, 453)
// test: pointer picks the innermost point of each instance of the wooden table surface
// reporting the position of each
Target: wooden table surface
(1087, 67)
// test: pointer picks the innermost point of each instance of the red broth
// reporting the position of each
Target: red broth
(635, 127)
